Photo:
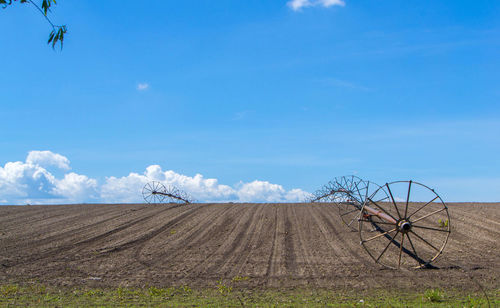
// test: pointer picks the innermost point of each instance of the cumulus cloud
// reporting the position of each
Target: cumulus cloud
(76, 188)
(297, 5)
(263, 191)
(24, 180)
(143, 86)
(31, 182)
(47, 159)
(124, 189)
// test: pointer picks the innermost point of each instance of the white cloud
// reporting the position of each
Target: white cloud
(128, 188)
(328, 3)
(143, 86)
(76, 188)
(263, 191)
(30, 182)
(47, 159)
(19, 180)
(297, 195)
(297, 5)
(125, 189)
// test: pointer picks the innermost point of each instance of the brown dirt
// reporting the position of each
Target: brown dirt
(274, 245)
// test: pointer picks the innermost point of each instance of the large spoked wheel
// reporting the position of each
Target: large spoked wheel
(154, 192)
(409, 229)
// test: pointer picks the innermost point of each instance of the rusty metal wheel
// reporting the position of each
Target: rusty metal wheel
(409, 229)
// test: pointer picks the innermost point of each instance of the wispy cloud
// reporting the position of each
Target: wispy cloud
(343, 84)
(298, 5)
(143, 86)
(240, 115)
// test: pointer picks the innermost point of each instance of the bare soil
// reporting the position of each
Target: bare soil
(270, 245)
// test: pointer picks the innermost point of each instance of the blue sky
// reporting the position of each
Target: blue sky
(253, 92)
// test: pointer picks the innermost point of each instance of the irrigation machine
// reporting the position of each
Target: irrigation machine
(156, 192)
(394, 228)
(402, 224)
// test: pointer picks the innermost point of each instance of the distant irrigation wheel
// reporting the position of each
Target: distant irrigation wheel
(399, 232)
(174, 195)
(154, 192)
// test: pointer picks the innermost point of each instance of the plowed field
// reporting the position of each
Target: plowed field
(270, 245)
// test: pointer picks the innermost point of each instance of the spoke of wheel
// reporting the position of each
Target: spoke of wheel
(338, 184)
(386, 197)
(359, 193)
(430, 214)
(407, 199)
(352, 220)
(379, 235)
(429, 228)
(390, 242)
(425, 241)
(401, 249)
(382, 209)
(422, 207)
(413, 248)
(350, 212)
(393, 201)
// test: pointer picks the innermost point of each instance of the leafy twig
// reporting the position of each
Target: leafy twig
(58, 31)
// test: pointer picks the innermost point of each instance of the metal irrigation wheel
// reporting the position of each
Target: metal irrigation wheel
(400, 232)
(351, 196)
(153, 192)
(174, 195)
(338, 189)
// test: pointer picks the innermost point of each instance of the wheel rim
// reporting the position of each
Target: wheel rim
(150, 192)
(415, 230)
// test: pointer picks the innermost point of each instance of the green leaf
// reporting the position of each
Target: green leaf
(51, 36)
(45, 6)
